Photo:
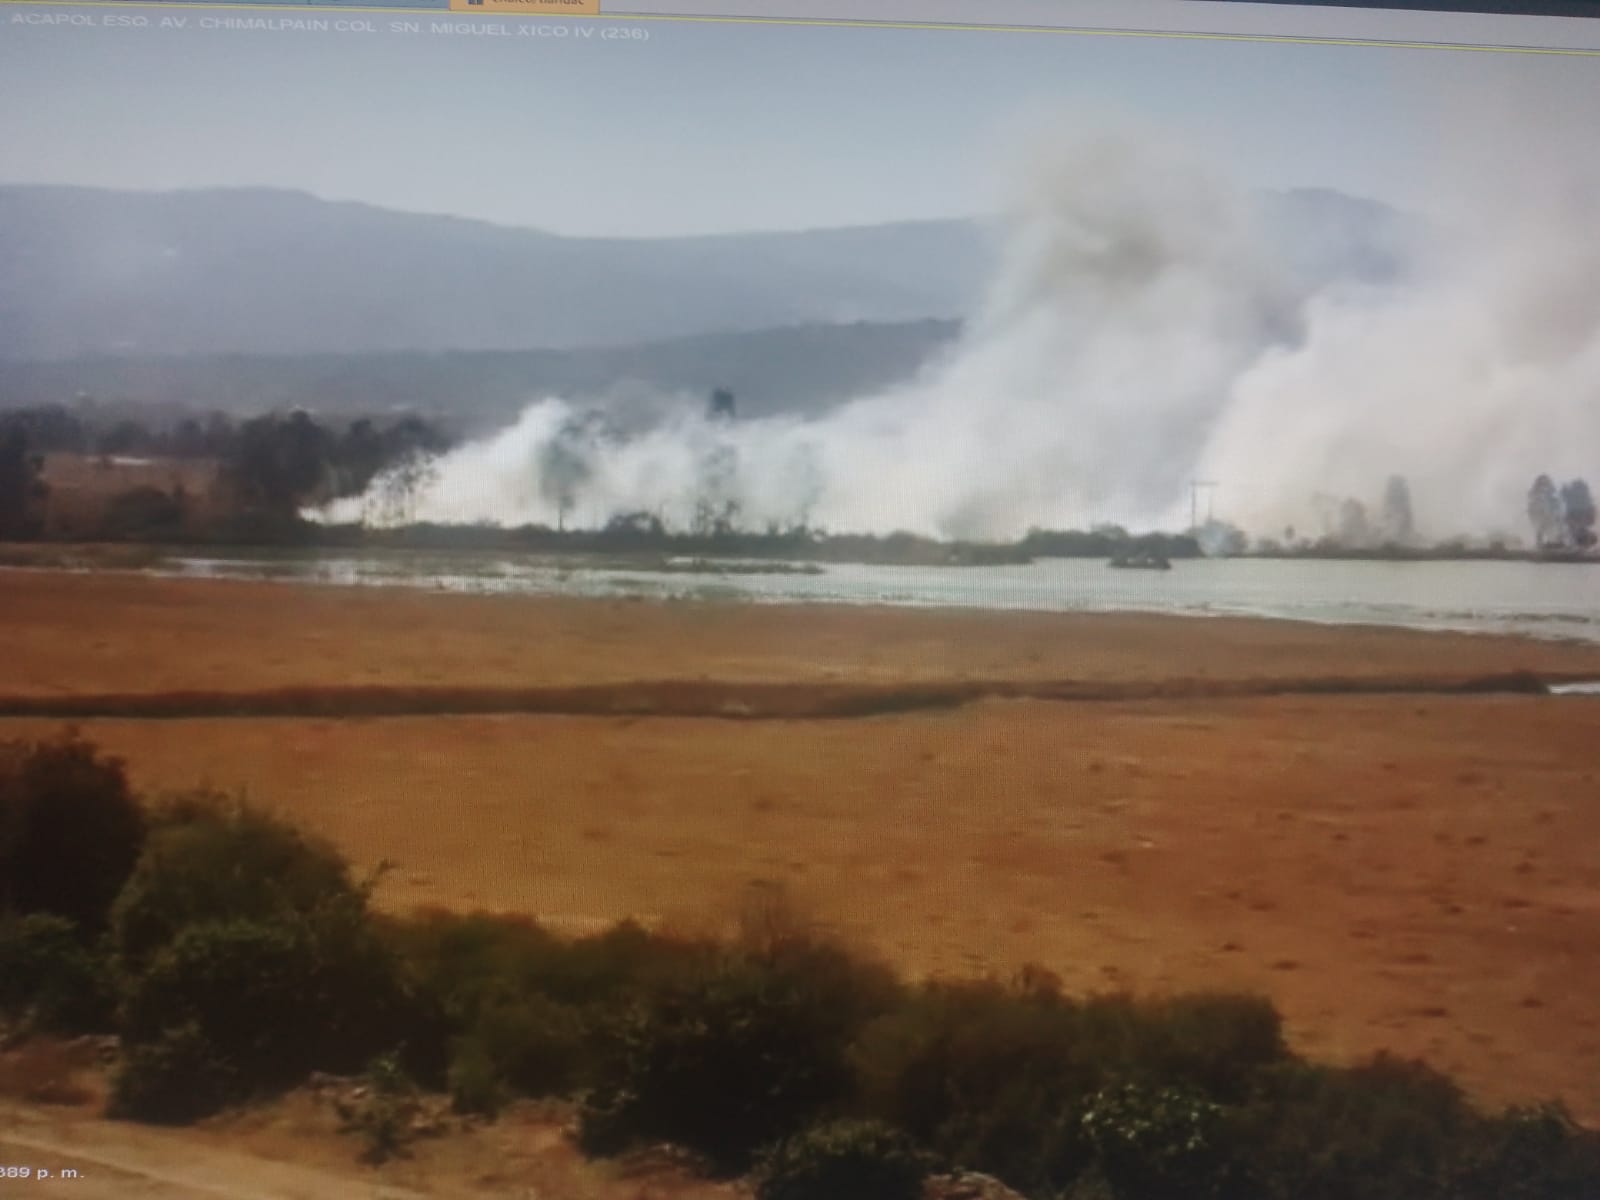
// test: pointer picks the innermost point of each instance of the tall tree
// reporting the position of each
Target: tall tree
(1577, 503)
(1545, 512)
(716, 506)
(565, 466)
(280, 463)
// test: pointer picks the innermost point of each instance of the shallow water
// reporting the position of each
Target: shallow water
(1536, 599)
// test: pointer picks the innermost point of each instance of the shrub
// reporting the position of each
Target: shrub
(475, 1085)
(843, 1160)
(1533, 1153)
(470, 962)
(50, 978)
(997, 1077)
(273, 1001)
(175, 1078)
(239, 925)
(1216, 1042)
(985, 1075)
(1386, 1130)
(208, 861)
(1159, 1144)
(720, 1065)
(70, 829)
(383, 1117)
(538, 1046)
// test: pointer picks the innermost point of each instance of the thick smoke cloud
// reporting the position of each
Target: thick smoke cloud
(1142, 331)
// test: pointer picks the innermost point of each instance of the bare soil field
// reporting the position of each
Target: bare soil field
(291, 1149)
(1404, 872)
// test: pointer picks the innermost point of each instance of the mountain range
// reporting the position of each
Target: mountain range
(86, 271)
(247, 299)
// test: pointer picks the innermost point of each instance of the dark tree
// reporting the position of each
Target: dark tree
(366, 450)
(22, 491)
(220, 435)
(125, 437)
(1545, 511)
(716, 507)
(49, 428)
(722, 406)
(361, 456)
(280, 463)
(188, 440)
(565, 465)
(638, 524)
(70, 829)
(1578, 509)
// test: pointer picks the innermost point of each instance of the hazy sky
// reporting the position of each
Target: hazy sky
(704, 128)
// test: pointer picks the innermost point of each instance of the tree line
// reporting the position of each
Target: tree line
(1563, 518)
(270, 465)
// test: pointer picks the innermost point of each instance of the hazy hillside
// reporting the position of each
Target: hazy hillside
(85, 271)
(254, 299)
(776, 370)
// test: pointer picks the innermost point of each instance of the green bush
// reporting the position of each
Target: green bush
(209, 860)
(986, 1075)
(70, 829)
(1386, 1130)
(469, 963)
(475, 1084)
(273, 1001)
(721, 1065)
(1160, 1144)
(383, 1117)
(1535, 1153)
(237, 924)
(538, 1045)
(997, 1077)
(1217, 1042)
(173, 1079)
(843, 1160)
(51, 979)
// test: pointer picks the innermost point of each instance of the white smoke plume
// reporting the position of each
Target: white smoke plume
(1483, 375)
(1140, 333)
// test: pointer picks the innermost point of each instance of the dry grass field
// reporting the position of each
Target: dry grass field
(1414, 873)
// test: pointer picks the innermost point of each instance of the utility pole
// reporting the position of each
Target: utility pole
(1194, 500)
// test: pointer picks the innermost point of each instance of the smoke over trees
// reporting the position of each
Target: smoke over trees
(716, 507)
(1564, 517)
(1399, 523)
(1544, 511)
(1355, 530)
(1577, 504)
(564, 467)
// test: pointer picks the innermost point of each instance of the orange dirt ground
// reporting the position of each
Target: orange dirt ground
(1400, 872)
